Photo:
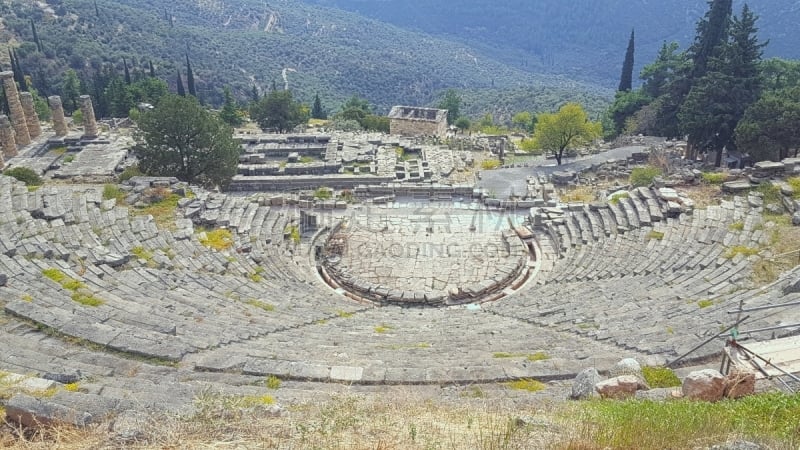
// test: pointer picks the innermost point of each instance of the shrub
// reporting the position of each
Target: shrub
(273, 382)
(130, 172)
(714, 177)
(323, 193)
(644, 176)
(794, 182)
(660, 377)
(490, 164)
(25, 175)
(112, 191)
(616, 197)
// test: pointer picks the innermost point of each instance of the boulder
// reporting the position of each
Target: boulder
(707, 385)
(627, 366)
(796, 219)
(621, 387)
(584, 383)
(740, 383)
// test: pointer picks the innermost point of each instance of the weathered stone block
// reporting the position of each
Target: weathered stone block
(707, 385)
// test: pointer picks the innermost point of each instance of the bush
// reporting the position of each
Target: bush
(714, 177)
(490, 164)
(644, 176)
(130, 172)
(112, 191)
(660, 377)
(25, 175)
(219, 239)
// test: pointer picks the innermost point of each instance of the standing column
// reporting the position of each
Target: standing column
(15, 107)
(59, 123)
(7, 141)
(31, 118)
(89, 122)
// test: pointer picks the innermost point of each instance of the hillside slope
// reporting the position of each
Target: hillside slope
(583, 39)
(244, 42)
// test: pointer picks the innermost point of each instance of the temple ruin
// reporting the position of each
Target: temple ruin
(18, 119)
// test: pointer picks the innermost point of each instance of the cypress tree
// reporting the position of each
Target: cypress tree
(254, 93)
(127, 71)
(181, 90)
(152, 69)
(712, 33)
(190, 78)
(36, 37)
(626, 80)
(316, 111)
(96, 9)
(19, 75)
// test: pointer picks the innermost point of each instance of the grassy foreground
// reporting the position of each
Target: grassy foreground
(380, 422)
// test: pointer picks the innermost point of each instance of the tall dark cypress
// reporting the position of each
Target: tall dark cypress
(626, 80)
(19, 75)
(181, 90)
(152, 69)
(96, 9)
(190, 78)
(127, 71)
(712, 33)
(316, 111)
(36, 37)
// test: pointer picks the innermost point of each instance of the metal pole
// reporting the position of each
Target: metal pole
(675, 361)
(779, 327)
(761, 308)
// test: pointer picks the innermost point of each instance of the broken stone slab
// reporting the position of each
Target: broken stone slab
(733, 187)
(769, 166)
(621, 387)
(627, 366)
(707, 385)
(33, 412)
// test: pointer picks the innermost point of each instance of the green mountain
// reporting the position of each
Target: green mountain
(583, 39)
(241, 43)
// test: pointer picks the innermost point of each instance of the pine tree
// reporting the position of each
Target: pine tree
(152, 69)
(181, 90)
(229, 113)
(127, 71)
(718, 100)
(316, 111)
(626, 80)
(190, 78)
(36, 37)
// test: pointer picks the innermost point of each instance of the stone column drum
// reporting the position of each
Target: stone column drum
(31, 118)
(57, 108)
(89, 122)
(15, 107)
(7, 140)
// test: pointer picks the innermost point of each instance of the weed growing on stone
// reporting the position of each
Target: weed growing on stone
(538, 356)
(218, 239)
(740, 250)
(162, 209)
(657, 235)
(86, 300)
(343, 314)
(644, 176)
(702, 304)
(490, 164)
(54, 274)
(617, 197)
(383, 328)
(736, 226)
(660, 377)
(72, 387)
(142, 253)
(114, 192)
(526, 384)
(714, 177)
(273, 382)
(261, 305)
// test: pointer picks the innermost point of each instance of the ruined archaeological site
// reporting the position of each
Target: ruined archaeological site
(411, 272)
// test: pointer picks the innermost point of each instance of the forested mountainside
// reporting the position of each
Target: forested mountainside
(583, 39)
(241, 43)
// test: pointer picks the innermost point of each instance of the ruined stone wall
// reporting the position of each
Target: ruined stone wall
(417, 127)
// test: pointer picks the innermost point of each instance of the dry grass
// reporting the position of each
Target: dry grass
(403, 421)
(584, 194)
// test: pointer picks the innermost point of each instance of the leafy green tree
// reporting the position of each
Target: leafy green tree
(778, 74)
(376, 123)
(626, 79)
(148, 90)
(279, 111)
(119, 98)
(355, 108)
(626, 104)
(770, 127)
(452, 103)
(524, 121)
(180, 138)
(70, 90)
(463, 124)
(316, 111)
(567, 129)
(229, 113)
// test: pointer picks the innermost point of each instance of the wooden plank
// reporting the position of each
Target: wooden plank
(775, 345)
